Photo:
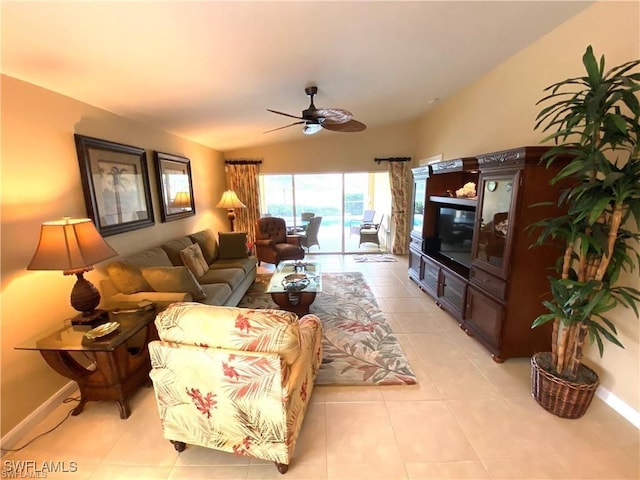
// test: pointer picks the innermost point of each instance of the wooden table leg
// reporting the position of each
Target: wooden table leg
(117, 374)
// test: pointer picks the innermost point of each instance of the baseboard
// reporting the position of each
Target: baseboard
(619, 406)
(11, 439)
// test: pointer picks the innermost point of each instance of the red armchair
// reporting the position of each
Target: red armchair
(273, 244)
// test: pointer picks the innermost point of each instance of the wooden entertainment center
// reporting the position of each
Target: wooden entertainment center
(472, 255)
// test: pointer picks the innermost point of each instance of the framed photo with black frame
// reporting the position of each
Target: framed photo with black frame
(173, 176)
(115, 181)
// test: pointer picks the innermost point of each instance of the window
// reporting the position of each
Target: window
(340, 199)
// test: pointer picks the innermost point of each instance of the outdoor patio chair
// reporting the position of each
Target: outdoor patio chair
(310, 237)
(356, 225)
(369, 232)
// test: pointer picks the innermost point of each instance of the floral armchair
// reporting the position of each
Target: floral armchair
(235, 379)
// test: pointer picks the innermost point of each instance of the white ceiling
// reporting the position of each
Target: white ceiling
(208, 70)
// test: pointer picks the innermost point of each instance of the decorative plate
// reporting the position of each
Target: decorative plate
(102, 330)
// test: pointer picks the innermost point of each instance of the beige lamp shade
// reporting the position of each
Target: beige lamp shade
(70, 245)
(74, 246)
(230, 200)
(181, 200)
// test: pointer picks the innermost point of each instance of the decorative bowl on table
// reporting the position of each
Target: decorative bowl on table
(295, 282)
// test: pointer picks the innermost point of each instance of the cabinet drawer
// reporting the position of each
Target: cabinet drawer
(484, 316)
(415, 243)
(487, 282)
(453, 290)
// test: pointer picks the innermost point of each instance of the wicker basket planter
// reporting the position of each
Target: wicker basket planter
(559, 396)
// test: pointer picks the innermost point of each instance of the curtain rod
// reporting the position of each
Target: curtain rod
(243, 162)
(392, 159)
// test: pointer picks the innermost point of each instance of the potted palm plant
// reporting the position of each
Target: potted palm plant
(594, 123)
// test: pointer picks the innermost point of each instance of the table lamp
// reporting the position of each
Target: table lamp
(74, 246)
(230, 201)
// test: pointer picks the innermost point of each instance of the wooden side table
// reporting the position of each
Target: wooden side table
(119, 367)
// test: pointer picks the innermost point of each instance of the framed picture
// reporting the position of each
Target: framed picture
(173, 174)
(116, 188)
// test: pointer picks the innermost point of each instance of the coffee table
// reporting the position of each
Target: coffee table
(294, 285)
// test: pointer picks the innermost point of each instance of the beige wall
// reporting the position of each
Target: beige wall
(334, 151)
(41, 181)
(499, 110)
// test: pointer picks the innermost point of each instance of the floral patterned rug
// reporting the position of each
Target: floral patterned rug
(359, 347)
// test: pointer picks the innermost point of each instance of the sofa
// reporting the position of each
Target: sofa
(235, 379)
(192, 268)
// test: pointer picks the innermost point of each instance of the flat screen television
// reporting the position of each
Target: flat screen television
(454, 231)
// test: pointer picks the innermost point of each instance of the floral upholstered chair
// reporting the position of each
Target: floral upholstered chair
(235, 379)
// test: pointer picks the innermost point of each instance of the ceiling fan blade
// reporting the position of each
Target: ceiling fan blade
(333, 115)
(285, 114)
(350, 126)
(286, 126)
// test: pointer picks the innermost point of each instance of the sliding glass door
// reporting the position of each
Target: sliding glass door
(340, 199)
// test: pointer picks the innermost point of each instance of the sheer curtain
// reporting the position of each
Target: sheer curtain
(242, 178)
(399, 181)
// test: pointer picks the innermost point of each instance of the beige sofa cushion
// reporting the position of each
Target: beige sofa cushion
(217, 293)
(173, 279)
(231, 276)
(193, 260)
(247, 264)
(174, 247)
(125, 274)
(208, 244)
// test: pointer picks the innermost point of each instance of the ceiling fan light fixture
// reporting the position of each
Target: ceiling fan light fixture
(311, 128)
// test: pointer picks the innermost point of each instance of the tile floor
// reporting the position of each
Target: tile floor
(469, 418)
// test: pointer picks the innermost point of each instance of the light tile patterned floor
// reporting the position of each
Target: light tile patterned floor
(469, 418)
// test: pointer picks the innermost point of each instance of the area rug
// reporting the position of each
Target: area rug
(359, 347)
(375, 257)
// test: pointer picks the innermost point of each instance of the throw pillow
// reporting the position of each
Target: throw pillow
(208, 244)
(193, 260)
(173, 279)
(232, 245)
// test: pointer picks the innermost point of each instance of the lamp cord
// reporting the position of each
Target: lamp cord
(66, 400)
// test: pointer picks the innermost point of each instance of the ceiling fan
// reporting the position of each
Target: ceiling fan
(315, 119)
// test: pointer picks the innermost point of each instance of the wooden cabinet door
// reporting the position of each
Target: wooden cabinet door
(495, 218)
(415, 265)
(452, 293)
(430, 277)
(484, 317)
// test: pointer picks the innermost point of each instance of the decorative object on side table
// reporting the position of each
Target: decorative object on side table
(594, 122)
(230, 201)
(116, 185)
(173, 175)
(74, 246)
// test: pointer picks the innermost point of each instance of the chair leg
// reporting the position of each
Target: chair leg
(282, 467)
(179, 446)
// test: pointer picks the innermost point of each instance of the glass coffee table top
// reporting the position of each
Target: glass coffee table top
(294, 276)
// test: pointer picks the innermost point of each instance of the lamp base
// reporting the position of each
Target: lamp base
(95, 318)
